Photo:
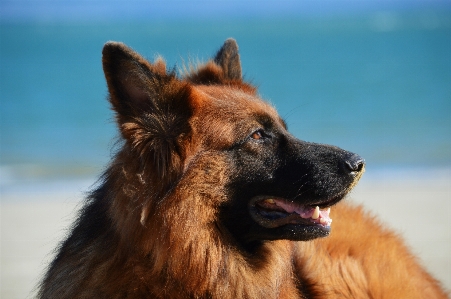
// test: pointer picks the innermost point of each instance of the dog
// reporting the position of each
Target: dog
(209, 196)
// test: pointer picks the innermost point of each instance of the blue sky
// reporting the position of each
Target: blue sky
(50, 10)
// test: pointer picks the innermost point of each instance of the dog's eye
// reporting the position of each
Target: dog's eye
(258, 135)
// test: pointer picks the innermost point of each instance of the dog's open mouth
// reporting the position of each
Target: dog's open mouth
(272, 212)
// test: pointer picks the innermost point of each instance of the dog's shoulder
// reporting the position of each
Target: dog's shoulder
(362, 259)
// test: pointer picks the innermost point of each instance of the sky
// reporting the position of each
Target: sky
(82, 10)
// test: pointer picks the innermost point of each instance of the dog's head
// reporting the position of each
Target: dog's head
(212, 123)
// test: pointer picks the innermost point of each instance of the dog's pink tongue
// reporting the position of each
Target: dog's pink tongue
(315, 214)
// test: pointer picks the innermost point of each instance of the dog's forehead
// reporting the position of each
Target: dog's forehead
(234, 104)
(223, 115)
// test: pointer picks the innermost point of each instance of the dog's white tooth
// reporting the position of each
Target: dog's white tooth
(315, 213)
(270, 200)
(322, 220)
(328, 211)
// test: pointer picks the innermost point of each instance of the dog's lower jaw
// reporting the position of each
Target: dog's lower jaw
(291, 232)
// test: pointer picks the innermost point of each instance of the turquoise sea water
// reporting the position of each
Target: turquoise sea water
(378, 85)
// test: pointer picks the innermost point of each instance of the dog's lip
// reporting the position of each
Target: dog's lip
(272, 212)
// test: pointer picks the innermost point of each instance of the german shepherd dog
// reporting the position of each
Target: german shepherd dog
(209, 196)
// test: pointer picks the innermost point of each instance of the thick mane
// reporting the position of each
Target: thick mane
(204, 258)
(188, 252)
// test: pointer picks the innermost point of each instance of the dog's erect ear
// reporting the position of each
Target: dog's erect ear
(223, 69)
(228, 59)
(152, 106)
(135, 85)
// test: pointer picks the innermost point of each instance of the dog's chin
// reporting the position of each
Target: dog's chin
(292, 232)
(278, 218)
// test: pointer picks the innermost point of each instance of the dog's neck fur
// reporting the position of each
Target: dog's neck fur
(203, 261)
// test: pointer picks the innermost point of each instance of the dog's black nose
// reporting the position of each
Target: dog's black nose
(354, 163)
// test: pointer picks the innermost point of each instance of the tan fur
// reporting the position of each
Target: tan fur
(152, 229)
(362, 259)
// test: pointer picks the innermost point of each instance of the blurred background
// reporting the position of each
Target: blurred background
(370, 76)
(373, 77)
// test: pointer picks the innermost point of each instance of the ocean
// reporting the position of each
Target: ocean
(376, 84)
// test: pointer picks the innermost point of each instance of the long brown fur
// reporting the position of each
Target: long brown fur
(152, 228)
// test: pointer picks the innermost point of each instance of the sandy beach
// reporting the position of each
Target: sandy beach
(35, 217)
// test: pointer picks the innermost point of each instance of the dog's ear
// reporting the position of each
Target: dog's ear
(228, 59)
(152, 106)
(223, 69)
(134, 84)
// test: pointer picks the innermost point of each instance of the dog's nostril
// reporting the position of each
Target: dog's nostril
(355, 163)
